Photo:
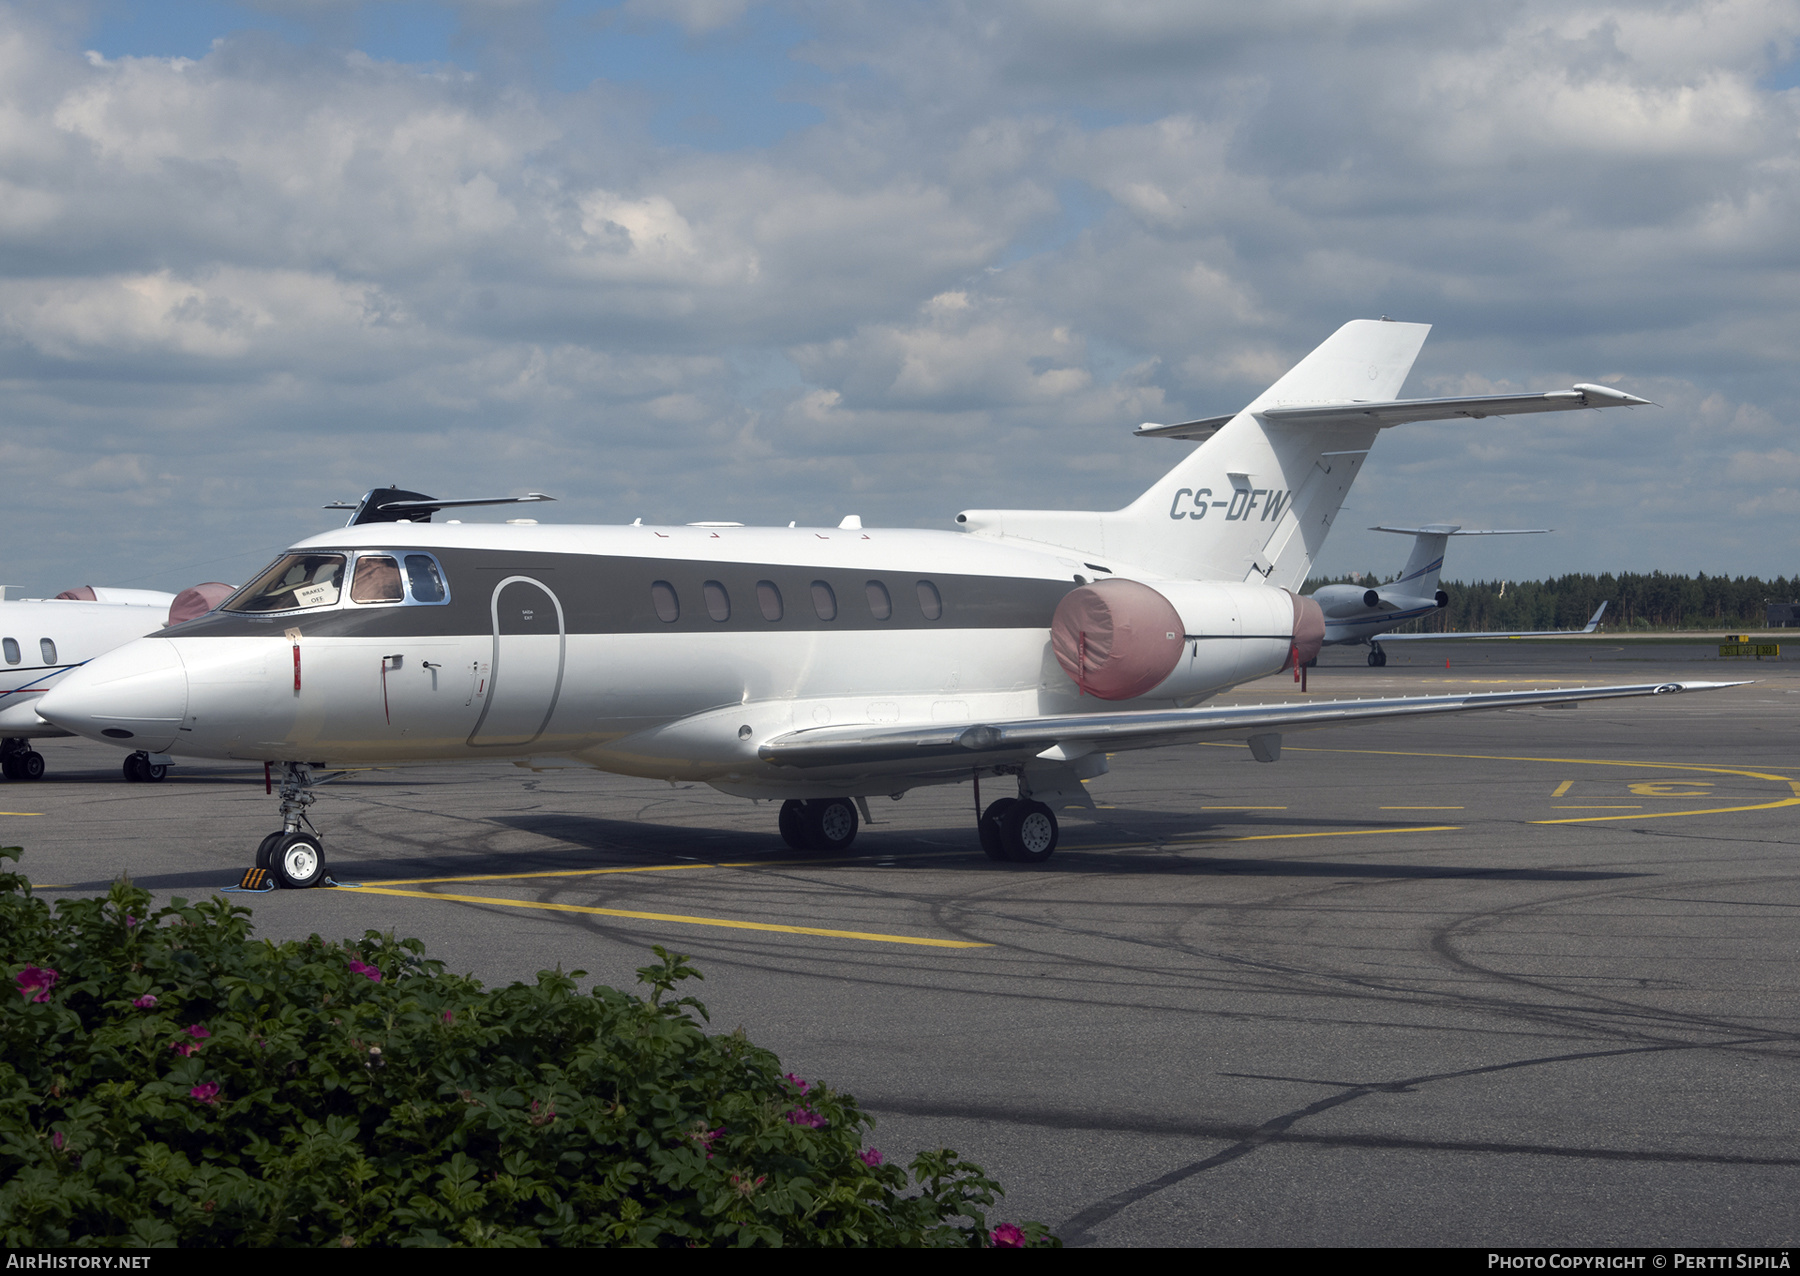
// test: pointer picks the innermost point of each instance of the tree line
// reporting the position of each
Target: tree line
(1642, 601)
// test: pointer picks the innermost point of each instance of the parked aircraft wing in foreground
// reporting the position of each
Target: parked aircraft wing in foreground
(1456, 634)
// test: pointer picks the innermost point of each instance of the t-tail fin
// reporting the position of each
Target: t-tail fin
(1255, 500)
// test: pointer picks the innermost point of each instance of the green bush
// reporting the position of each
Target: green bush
(165, 1079)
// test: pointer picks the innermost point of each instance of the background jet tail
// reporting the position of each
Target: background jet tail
(1426, 562)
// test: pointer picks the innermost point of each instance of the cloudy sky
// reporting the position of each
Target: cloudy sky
(723, 259)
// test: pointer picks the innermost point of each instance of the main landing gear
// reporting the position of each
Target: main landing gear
(19, 761)
(295, 859)
(1018, 829)
(139, 769)
(819, 824)
(1377, 657)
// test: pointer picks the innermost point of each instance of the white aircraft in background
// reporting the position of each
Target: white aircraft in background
(1361, 614)
(813, 666)
(42, 639)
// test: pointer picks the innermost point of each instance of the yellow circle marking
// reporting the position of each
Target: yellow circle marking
(1635, 765)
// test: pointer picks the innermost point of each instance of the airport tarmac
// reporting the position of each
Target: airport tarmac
(1516, 978)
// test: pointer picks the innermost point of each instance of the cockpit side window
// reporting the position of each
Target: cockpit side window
(377, 580)
(425, 579)
(294, 582)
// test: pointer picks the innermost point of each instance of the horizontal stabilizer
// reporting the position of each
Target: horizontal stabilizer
(396, 505)
(1405, 411)
(1445, 529)
(988, 743)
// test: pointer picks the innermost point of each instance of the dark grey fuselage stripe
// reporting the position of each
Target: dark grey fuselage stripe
(610, 594)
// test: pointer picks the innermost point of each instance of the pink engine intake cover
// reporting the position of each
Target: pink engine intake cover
(1116, 638)
(1309, 630)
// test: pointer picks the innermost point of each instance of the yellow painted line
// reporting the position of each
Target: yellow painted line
(574, 872)
(21, 812)
(1422, 808)
(1664, 815)
(681, 919)
(1562, 790)
(1271, 837)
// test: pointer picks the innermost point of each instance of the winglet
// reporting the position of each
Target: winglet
(1594, 620)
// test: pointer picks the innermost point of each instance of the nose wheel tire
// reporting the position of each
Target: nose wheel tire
(296, 860)
(31, 765)
(140, 770)
(1028, 832)
(792, 823)
(989, 826)
(831, 824)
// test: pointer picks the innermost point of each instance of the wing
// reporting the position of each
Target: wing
(987, 743)
(1403, 411)
(1592, 624)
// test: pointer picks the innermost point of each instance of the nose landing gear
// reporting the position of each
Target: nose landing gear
(139, 769)
(1377, 657)
(295, 859)
(19, 761)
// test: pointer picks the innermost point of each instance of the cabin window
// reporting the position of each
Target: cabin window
(11, 647)
(929, 601)
(824, 601)
(668, 606)
(880, 605)
(425, 579)
(377, 580)
(295, 581)
(718, 602)
(768, 597)
(47, 649)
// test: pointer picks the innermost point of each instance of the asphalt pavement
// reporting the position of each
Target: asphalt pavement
(1515, 978)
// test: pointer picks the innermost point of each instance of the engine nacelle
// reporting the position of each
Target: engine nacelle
(1122, 639)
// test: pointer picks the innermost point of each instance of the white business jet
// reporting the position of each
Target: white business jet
(813, 666)
(1360, 614)
(42, 639)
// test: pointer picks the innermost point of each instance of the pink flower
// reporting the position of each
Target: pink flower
(870, 1158)
(1007, 1236)
(145, 1002)
(205, 1093)
(130, 921)
(807, 1117)
(182, 1050)
(449, 1016)
(364, 969)
(195, 1031)
(56, 1140)
(36, 979)
(796, 1082)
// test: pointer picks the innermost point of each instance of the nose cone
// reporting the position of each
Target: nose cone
(135, 695)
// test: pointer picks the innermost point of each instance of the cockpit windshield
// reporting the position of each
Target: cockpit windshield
(295, 581)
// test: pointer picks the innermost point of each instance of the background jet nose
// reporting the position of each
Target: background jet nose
(135, 696)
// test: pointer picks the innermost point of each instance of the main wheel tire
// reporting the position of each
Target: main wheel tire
(831, 824)
(297, 861)
(989, 827)
(31, 765)
(1381, 660)
(1029, 833)
(134, 768)
(1374, 659)
(792, 823)
(9, 767)
(266, 849)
